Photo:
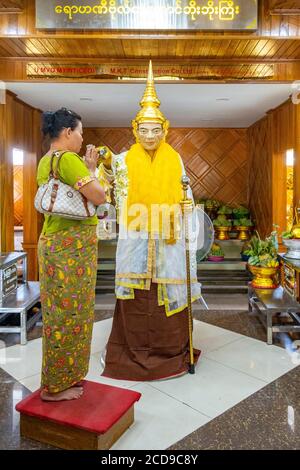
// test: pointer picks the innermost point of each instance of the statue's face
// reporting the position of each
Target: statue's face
(150, 135)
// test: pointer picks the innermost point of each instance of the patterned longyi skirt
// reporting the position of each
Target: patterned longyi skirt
(68, 266)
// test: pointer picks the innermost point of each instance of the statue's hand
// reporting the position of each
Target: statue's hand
(104, 156)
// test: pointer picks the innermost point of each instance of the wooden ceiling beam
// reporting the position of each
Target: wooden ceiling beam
(192, 36)
(283, 72)
(284, 7)
(158, 60)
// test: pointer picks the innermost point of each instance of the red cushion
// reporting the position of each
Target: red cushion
(96, 410)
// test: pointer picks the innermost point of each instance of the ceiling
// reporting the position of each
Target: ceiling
(185, 105)
(89, 47)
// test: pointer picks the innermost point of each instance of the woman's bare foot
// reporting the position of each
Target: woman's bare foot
(70, 394)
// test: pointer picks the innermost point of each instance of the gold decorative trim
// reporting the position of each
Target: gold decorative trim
(83, 181)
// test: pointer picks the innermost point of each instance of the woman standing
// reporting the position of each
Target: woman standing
(67, 253)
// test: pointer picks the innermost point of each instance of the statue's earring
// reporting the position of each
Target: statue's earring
(134, 130)
(165, 129)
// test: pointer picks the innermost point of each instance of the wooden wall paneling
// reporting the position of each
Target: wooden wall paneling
(285, 128)
(269, 140)
(279, 174)
(297, 156)
(2, 165)
(20, 128)
(285, 131)
(260, 176)
(11, 6)
(7, 120)
(32, 220)
(284, 7)
(18, 195)
(216, 160)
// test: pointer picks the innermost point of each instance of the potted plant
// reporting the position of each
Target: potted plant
(243, 226)
(240, 212)
(263, 262)
(292, 243)
(216, 253)
(211, 207)
(246, 246)
(222, 226)
(224, 210)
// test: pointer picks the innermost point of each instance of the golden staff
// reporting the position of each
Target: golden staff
(185, 184)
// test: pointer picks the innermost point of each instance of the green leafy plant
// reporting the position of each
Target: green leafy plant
(221, 221)
(216, 250)
(243, 223)
(246, 246)
(287, 235)
(263, 253)
(200, 201)
(240, 212)
(226, 210)
(212, 204)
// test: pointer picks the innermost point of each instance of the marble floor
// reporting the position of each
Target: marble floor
(242, 393)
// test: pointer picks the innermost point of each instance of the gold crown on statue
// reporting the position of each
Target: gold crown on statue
(150, 111)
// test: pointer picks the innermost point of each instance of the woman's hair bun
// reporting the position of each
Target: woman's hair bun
(48, 122)
(54, 122)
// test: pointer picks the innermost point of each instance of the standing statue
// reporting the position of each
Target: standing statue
(150, 333)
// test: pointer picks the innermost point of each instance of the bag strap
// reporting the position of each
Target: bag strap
(54, 173)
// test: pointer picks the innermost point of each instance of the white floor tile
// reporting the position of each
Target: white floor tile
(253, 357)
(22, 361)
(32, 383)
(95, 371)
(208, 337)
(160, 421)
(213, 388)
(101, 332)
(231, 368)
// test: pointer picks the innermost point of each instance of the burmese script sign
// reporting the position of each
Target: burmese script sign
(131, 71)
(9, 279)
(147, 14)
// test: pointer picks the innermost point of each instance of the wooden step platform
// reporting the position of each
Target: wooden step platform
(95, 421)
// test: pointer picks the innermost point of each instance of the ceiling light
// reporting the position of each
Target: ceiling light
(222, 99)
(86, 99)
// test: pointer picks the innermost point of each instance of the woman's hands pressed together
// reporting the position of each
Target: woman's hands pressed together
(91, 158)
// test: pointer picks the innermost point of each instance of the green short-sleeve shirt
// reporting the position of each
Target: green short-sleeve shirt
(73, 171)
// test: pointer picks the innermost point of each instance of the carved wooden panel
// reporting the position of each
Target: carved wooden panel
(215, 159)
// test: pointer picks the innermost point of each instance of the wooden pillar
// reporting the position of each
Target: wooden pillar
(297, 156)
(279, 173)
(6, 175)
(31, 218)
